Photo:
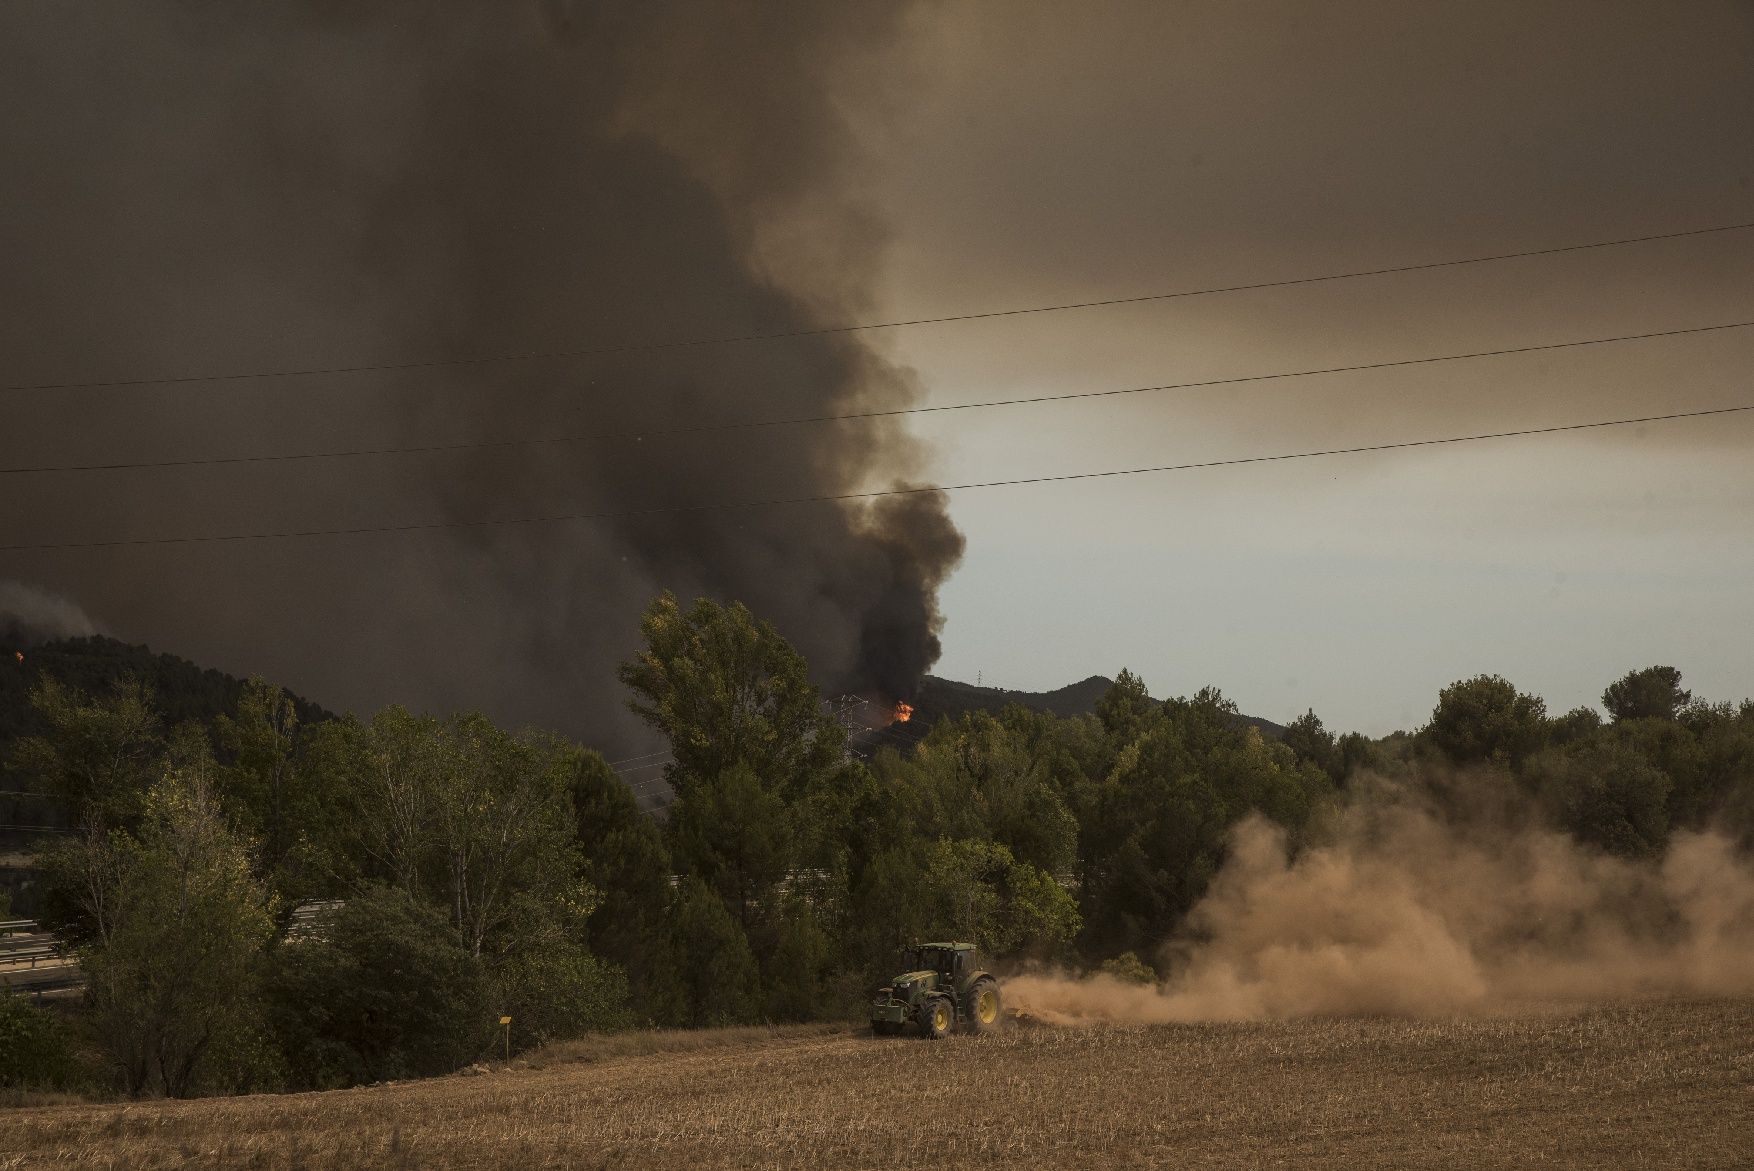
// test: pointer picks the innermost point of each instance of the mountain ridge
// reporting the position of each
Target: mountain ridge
(940, 698)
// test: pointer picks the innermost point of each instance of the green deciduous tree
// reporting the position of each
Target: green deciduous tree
(506, 831)
(99, 755)
(385, 775)
(455, 812)
(1153, 839)
(978, 776)
(1356, 752)
(1721, 790)
(764, 795)
(975, 890)
(1207, 720)
(179, 924)
(258, 740)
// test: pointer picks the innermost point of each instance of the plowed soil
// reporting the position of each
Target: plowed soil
(1660, 1084)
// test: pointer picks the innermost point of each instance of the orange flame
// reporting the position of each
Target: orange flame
(903, 712)
(20, 655)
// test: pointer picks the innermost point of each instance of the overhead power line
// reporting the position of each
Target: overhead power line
(754, 424)
(640, 768)
(630, 759)
(637, 785)
(822, 331)
(722, 506)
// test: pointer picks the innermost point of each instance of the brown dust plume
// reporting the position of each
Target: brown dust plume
(1402, 914)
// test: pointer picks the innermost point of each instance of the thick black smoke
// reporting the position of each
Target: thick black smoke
(271, 186)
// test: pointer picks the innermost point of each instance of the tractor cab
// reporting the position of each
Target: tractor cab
(951, 961)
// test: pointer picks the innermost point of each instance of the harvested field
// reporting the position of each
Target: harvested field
(1656, 1084)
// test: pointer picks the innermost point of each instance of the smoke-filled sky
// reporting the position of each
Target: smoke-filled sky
(1061, 152)
(322, 184)
(319, 184)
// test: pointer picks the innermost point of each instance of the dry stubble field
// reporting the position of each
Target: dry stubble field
(1635, 1085)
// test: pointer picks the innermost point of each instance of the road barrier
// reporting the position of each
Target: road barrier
(32, 960)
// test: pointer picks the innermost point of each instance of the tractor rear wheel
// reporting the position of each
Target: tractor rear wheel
(981, 1005)
(936, 1017)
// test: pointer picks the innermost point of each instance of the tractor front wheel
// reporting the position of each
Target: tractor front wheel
(983, 1006)
(936, 1017)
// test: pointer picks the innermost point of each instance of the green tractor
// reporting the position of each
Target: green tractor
(943, 988)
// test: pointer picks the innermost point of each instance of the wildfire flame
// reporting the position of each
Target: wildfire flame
(903, 712)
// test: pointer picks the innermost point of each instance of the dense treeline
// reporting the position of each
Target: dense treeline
(468, 873)
(1662, 760)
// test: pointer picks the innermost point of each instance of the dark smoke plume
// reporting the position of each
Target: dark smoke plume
(327, 183)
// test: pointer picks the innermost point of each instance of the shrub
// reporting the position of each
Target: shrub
(562, 992)
(36, 1050)
(386, 990)
(1129, 968)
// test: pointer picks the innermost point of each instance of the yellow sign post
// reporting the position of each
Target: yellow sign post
(505, 1022)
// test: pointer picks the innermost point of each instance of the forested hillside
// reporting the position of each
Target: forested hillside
(946, 698)
(181, 689)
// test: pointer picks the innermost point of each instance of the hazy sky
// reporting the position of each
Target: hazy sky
(316, 184)
(1052, 152)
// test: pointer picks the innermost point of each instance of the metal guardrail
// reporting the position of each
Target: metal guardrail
(31, 960)
(32, 955)
(24, 939)
(306, 920)
(45, 980)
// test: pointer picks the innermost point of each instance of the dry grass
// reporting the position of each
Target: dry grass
(1646, 1085)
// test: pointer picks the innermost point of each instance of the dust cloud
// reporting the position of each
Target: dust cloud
(1400, 913)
